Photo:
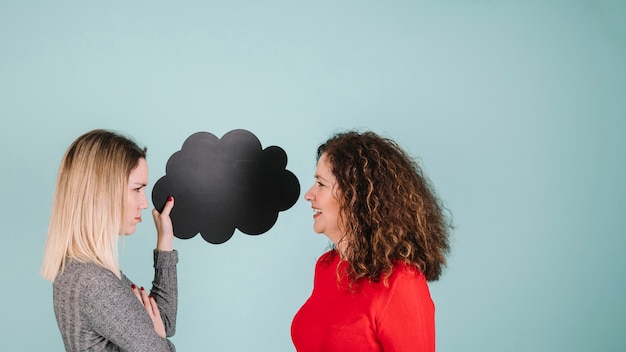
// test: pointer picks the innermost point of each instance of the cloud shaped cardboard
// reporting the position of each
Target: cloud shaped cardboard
(220, 185)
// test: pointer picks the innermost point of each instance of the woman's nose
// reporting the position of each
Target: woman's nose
(309, 194)
(144, 203)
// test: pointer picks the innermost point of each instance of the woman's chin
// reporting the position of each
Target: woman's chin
(129, 231)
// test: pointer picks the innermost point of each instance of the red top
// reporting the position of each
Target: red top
(368, 316)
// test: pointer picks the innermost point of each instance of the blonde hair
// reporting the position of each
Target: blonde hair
(88, 207)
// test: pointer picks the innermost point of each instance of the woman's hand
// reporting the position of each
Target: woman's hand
(163, 223)
(151, 307)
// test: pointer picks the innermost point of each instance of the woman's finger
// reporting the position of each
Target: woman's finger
(155, 315)
(155, 308)
(168, 206)
(146, 301)
(163, 223)
(136, 292)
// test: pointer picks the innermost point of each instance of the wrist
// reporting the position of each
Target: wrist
(165, 245)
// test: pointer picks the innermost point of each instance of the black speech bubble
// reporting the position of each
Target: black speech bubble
(220, 185)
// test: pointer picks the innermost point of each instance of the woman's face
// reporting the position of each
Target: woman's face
(136, 200)
(324, 198)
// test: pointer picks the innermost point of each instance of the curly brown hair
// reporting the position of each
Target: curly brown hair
(389, 207)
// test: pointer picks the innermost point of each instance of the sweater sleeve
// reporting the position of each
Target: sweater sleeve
(113, 311)
(406, 323)
(165, 288)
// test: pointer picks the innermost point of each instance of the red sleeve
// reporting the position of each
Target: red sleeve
(407, 322)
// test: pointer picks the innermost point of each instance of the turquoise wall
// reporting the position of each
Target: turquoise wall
(517, 110)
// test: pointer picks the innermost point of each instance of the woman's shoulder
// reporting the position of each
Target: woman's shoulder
(79, 266)
(85, 273)
(404, 272)
(327, 261)
(329, 257)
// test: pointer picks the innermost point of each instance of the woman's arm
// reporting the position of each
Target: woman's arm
(165, 288)
(115, 314)
(407, 322)
(165, 284)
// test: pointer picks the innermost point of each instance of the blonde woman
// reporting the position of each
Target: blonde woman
(100, 195)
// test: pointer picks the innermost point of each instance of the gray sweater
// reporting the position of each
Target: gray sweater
(96, 311)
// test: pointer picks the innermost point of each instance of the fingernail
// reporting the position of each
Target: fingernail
(133, 286)
(170, 198)
(142, 288)
(150, 295)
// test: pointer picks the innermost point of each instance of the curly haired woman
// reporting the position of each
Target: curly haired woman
(390, 237)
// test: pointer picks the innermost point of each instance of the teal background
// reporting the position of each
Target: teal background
(516, 109)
